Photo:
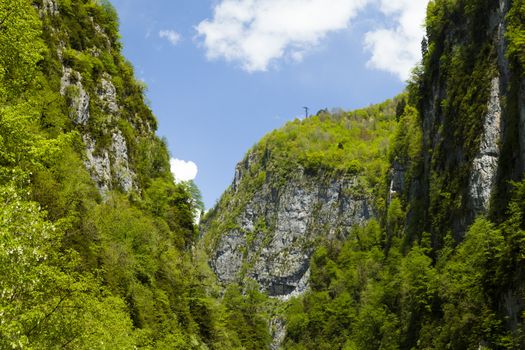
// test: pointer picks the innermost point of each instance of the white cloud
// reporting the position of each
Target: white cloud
(183, 170)
(172, 36)
(398, 49)
(257, 32)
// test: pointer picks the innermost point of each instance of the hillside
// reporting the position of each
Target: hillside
(313, 179)
(95, 236)
(396, 226)
(413, 244)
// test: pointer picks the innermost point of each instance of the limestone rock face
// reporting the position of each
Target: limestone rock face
(50, 7)
(109, 166)
(397, 179)
(276, 231)
(71, 86)
(108, 94)
(122, 173)
(278, 332)
(485, 165)
(457, 157)
(98, 164)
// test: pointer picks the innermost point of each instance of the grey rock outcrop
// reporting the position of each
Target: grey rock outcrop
(122, 173)
(397, 180)
(453, 156)
(278, 332)
(50, 7)
(109, 167)
(276, 231)
(98, 164)
(107, 94)
(484, 171)
(71, 86)
(485, 165)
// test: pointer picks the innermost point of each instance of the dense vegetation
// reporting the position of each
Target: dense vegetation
(364, 296)
(84, 269)
(328, 145)
(415, 279)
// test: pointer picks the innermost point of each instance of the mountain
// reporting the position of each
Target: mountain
(400, 226)
(312, 180)
(396, 226)
(95, 236)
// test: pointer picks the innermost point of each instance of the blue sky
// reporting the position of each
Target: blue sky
(222, 73)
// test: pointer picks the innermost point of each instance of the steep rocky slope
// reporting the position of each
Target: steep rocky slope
(313, 180)
(471, 100)
(429, 255)
(112, 120)
(95, 236)
(398, 226)
(453, 227)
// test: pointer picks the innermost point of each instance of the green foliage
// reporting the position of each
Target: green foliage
(395, 218)
(20, 47)
(246, 315)
(385, 299)
(195, 197)
(350, 145)
(443, 289)
(327, 316)
(451, 92)
(353, 142)
(81, 269)
(469, 317)
(408, 138)
(516, 34)
(45, 303)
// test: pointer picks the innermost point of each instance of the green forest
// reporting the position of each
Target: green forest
(94, 262)
(81, 270)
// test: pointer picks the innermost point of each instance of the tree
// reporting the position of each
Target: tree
(45, 302)
(20, 47)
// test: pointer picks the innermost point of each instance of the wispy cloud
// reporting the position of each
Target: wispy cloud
(172, 36)
(257, 33)
(183, 170)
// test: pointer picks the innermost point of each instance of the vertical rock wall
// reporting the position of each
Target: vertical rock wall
(485, 165)
(276, 232)
(108, 164)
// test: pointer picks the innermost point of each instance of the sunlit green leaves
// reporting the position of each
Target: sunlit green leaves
(20, 46)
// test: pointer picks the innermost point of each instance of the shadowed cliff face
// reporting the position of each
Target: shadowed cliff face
(472, 105)
(469, 103)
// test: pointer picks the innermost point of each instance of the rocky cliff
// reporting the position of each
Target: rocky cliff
(468, 102)
(398, 226)
(449, 204)
(281, 205)
(279, 228)
(95, 234)
(108, 117)
(471, 103)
